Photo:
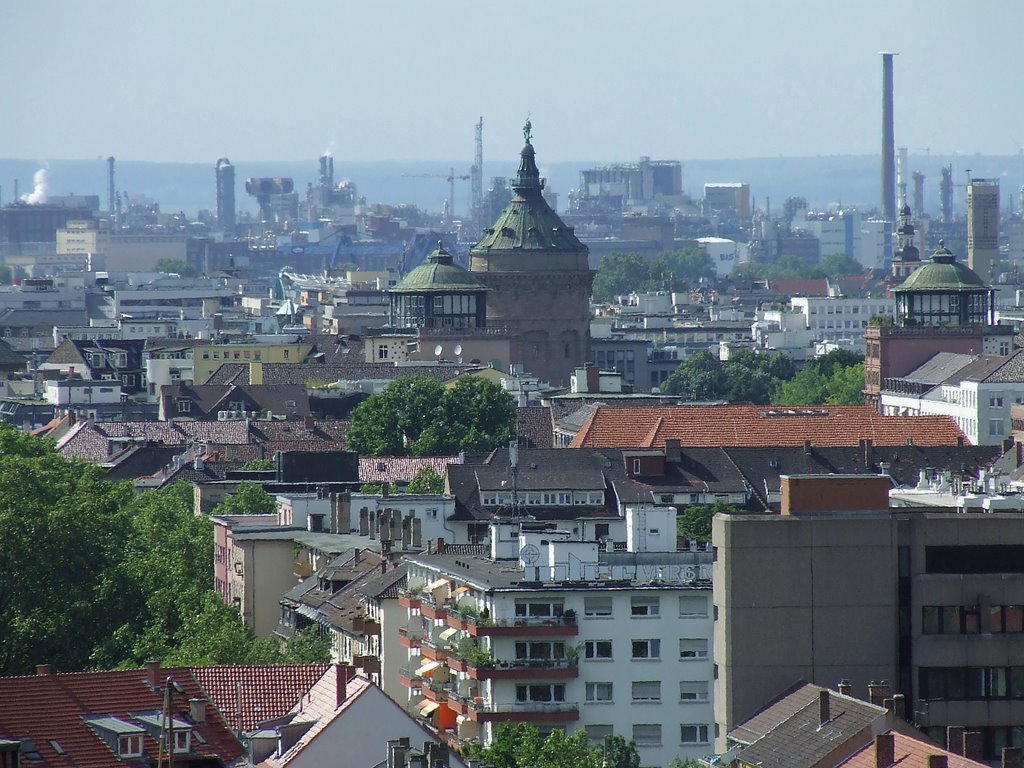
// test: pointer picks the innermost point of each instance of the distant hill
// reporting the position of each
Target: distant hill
(851, 180)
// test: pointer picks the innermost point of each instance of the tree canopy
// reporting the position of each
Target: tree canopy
(176, 266)
(248, 499)
(622, 273)
(520, 745)
(791, 268)
(426, 480)
(418, 416)
(694, 522)
(836, 379)
(97, 576)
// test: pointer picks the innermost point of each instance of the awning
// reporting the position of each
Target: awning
(448, 633)
(427, 668)
(460, 590)
(435, 584)
(429, 707)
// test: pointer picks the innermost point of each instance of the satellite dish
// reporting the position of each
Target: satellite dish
(437, 351)
(458, 349)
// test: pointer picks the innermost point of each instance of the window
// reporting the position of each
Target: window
(695, 605)
(647, 735)
(287, 352)
(647, 649)
(693, 733)
(538, 610)
(540, 650)
(599, 692)
(382, 351)
(693, 648)
(598, 733)
(184, 406)
(644, 606)
(636, 466)
(646, 690)
(597, 649)
(597, 606)
(693, 690)
(543, 692)
(182, 740)
(129, 745)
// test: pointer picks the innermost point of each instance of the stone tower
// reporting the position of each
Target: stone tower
(539, 277)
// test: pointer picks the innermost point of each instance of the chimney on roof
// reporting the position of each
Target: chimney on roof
(824, 707)
(955, 739)
(938, 761)
(879, 692)
(974, 746)
(959, 441)
(397, 751)
(866, 447)
(899, 708)
(343, 673)
(153, 673)
(441, 545)
(44, 669)
(885, 750)
(308, 423)
(673, 453)
(1013, 757)
(844, 687)
(807, 447)
(197, 710)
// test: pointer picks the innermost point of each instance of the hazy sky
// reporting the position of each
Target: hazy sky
(377, 80)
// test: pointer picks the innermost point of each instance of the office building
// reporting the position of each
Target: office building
(983, 228)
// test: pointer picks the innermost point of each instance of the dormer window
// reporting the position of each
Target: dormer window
(182, 741)
(129, 745)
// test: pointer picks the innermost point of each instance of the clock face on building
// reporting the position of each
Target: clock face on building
(529, 554)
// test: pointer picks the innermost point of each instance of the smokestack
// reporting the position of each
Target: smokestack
(888, 142)
(110, 187)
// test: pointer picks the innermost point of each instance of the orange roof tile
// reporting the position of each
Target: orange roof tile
(909, 753)
(262, 691)
(759, 425)
(49, 708)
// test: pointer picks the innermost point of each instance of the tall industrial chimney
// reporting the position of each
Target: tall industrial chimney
(888, 142)
(225, 194)
(110, 188)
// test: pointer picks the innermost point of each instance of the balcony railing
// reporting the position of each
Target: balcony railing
(535, 711)
(525, 625)
(525, 669)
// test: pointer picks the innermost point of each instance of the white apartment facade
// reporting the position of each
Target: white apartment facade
(841, 320)
(549, 630)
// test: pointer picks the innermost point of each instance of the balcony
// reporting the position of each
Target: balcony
(366, 625)
(531, 711)
(434, 651)
(409, 600)
(431, 609)
(526, 669)
(409, 638)
(368, 664)
(525, 626)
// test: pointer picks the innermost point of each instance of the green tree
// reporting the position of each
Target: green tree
(176, 266)
(377, 489)
(6, 275)
(426, 480)
(846, 387)
(621, 273)
(259, 464)
(682, 265)
(60, 525)
(248, 499)
(698, 377)
(694, 522)
(840, 265)
(519, 745)
(417, 416)
(745, 377)
(836, 379)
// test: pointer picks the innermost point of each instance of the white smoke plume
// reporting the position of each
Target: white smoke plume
(38, 194)
(331, 147)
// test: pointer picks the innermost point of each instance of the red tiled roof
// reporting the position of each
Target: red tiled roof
(52, 707)
(265, 691)
(909, 753)
(400, 469)
(759, 425)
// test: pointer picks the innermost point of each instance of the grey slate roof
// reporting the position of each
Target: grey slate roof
(799, 739)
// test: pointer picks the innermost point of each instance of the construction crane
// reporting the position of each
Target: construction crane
(450, 177)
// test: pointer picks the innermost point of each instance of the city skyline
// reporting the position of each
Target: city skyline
(404, 81)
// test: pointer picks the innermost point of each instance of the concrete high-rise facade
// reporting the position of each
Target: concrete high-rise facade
(983, 228)
(225, 194)
(539, 279)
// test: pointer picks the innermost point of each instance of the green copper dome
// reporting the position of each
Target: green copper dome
(439, 274)
(942, 273)
(528, 223)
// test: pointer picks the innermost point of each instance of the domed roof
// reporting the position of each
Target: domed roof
(439, 274)
(942, 273)
(528, 223)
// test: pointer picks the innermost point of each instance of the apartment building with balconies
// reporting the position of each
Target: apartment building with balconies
(542, 627)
